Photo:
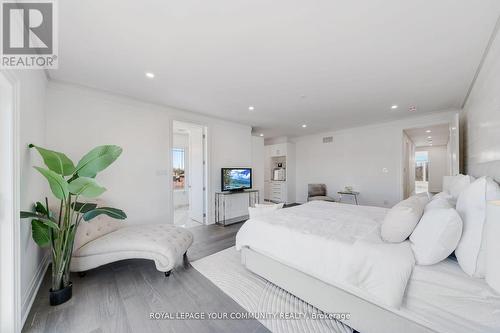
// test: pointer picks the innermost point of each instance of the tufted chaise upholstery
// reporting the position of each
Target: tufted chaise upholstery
(104, 240)
(99, 226)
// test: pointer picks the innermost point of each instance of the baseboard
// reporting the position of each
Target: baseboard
(29, 296)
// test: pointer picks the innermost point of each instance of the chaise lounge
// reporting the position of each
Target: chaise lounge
(104, 240)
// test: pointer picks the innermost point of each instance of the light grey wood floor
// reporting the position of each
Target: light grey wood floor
(119, 297)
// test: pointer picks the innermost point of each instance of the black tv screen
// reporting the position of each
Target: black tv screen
(236, 179)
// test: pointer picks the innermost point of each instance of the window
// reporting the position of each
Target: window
(179, 158)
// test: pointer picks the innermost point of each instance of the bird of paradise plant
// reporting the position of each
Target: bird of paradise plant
(72, 186)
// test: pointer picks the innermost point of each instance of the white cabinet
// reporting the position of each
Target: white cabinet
(279, 149)
(278, 191)
(281, 155)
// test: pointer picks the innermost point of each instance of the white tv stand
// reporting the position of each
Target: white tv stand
(220, 206)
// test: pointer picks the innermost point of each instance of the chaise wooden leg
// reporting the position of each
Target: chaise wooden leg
(167, 274)
(185, 260)
(82, 274)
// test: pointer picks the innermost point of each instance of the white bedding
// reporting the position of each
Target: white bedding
(337, 243)
(446, 299)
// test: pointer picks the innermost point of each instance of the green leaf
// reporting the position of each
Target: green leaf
(97, 160)
(86, 187)
(57, 183)
(55, 161)
(83, 207)
(40, 208)
(26, 215)
(40, 233)
(111, 212)
(48, 222)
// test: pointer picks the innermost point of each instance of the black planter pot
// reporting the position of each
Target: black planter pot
(60, 296)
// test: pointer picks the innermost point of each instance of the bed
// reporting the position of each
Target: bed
(314, 251)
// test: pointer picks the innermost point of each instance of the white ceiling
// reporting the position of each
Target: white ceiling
(327, 63)
(439, 135)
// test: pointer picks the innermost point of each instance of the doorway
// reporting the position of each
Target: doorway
(10, 294)
(189, 174)
(430, 153)
(421, 171)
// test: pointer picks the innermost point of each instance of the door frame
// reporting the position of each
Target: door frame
(206, 172)
(449, 118)
(10, 278)
(454, 153)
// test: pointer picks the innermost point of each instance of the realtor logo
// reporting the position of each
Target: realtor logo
(29, 34)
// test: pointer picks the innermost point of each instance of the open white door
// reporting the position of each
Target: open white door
(196, 174)
(454, 146)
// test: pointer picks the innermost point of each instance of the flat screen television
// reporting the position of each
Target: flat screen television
(236, 179)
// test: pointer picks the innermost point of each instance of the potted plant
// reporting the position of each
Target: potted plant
(71, 185)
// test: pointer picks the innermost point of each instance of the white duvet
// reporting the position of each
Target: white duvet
(337, 243)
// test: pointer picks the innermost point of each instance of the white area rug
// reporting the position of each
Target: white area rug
(257, 295)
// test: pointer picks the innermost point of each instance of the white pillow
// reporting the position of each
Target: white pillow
(436, 235)
(401, 219)
(471, 206)
(439, 203)
(443, 195)
(263, 209)
(424, 197)
(267, 205)
(457, 184)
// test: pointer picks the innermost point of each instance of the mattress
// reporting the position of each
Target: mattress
(443, 297)
(310, 235)
(337, 243)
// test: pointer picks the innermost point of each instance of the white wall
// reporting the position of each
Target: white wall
(482, 118)
(32, 126)
(358, 157)
(139, 181)
(231, 148)
(438, 166)
(258, 165)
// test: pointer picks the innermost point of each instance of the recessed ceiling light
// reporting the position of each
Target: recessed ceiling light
(261, 134)
(150, 75)
(430, 144)
(304, 125)
(429, 137)
(428, 131)
(251, 108)
(453, 128)
(394, 107)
